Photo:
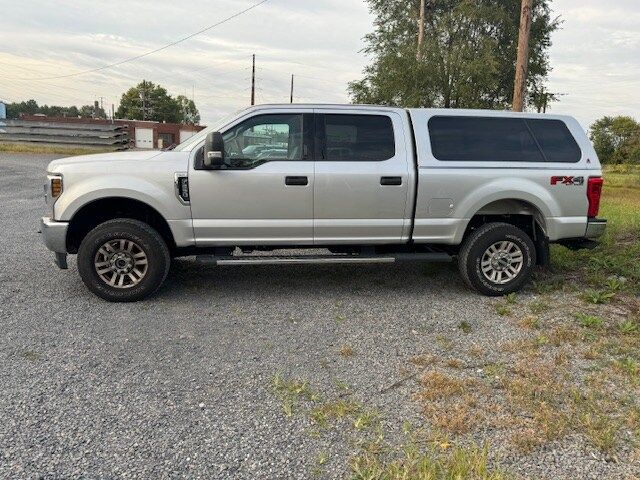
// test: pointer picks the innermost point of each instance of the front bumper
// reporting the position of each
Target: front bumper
(54, 235)
(595, 228)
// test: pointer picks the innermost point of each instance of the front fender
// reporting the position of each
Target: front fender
(161, 197)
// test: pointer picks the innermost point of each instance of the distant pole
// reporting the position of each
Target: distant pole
(423, 13)
(253, 81)
(291, 88)
(522, 61)
(144, 99)
(113, 115)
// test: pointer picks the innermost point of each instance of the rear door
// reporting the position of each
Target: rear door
(362, 177)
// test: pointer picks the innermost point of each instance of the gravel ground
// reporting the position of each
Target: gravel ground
(181, 386)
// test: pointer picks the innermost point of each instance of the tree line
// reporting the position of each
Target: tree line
(465, 57)
(31, 107)
(616, 139)
(145, 101)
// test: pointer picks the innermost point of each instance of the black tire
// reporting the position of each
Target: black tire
(475, 246)
(145, 238)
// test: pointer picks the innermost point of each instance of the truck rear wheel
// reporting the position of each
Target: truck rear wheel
(497, 259)
(123, 260)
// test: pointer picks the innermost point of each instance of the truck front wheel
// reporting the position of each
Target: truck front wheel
(123, 260)
(497, 259)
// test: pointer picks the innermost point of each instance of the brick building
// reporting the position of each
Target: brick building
(142, 134)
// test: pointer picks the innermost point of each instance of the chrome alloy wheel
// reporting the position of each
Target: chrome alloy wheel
(502, 262)
(121, 263)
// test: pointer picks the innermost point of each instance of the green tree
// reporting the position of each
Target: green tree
(616, 139)
(149, 101)
(188, 112)
(31, 107)
(468, 54)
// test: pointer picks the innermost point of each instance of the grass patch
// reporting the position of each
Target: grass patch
(346, 351)
(465, 327)
(511, 299)
(292, 392)
(539, 306)
(590, 321)
(328, 411)
(31, 355)
(615, 264)
(628, 327)
(449, 403)
(50, 149)
(298, 396)
(530, 322)
(597, 297)
(439, 461)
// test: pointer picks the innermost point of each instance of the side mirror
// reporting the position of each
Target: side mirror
(214, 151)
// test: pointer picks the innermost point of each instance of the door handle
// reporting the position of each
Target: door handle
(386, 181)
(299, 181)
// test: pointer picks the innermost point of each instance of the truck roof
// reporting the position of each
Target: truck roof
(430, 111)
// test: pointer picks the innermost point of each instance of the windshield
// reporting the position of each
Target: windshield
(191, 142)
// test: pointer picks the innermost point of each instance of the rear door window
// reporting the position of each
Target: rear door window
(358, 138)
(482, 139)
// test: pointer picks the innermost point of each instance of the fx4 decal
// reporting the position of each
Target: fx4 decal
(567, 180)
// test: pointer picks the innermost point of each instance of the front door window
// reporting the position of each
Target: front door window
(264, 138)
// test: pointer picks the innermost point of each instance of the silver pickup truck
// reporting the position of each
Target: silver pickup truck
(355, 183)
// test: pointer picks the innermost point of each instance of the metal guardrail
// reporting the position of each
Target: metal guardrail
(87, 134)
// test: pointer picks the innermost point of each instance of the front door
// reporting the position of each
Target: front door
(264, 194)
(362, 178)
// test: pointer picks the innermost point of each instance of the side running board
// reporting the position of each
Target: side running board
(321, 259)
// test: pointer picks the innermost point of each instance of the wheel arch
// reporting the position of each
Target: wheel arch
(100, 210)
(518, 212)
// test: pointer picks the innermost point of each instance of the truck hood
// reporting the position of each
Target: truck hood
(110, 157)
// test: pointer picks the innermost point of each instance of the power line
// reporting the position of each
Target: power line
(151, 52)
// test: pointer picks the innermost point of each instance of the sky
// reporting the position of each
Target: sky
(595, 56)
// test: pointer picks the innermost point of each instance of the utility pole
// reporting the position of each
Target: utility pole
(292, 88)
(253, 81)
(143, 95)
(113, 115)
(522, 61)
(423, 13)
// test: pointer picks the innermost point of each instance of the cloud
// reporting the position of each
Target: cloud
(319, 40)
(595, 57)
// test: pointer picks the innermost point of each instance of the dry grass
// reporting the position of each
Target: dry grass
(437, 385)
(454, 363)
(538, 398)
(69, 150)
(346, 351)
(449, 403)
(422, 360)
